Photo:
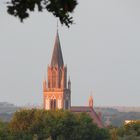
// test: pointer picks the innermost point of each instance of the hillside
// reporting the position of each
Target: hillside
(111, 115)
(7, 110)
(117, 116)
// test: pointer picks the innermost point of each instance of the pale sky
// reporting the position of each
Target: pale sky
(101, 51)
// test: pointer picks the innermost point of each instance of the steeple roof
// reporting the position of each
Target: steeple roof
(57, 58)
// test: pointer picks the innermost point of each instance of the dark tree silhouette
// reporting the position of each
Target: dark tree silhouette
(59, 8)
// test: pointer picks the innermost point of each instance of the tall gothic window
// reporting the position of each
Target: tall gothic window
(60, 77)
(53, 79)
(53, 104)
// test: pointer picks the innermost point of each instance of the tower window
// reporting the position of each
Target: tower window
(53, 104)
(53, 79)
(60, 77)
(48, 84)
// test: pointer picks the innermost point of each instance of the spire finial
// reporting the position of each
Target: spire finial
(57, 58)
(91, 100)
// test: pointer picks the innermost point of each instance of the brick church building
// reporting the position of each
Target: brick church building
(57, 88)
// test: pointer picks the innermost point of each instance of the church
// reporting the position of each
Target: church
(57, 88)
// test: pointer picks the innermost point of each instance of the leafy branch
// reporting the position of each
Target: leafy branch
(59, 8)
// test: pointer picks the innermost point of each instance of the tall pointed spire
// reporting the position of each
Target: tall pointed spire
(56, 93)
(57, 58)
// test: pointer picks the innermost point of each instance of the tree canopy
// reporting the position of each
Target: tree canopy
(130, 131)
(59, 8)
(54, 125)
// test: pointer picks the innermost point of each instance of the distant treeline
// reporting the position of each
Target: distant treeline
(117, 118)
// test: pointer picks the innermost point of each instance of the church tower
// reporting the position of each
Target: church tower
(56, 89)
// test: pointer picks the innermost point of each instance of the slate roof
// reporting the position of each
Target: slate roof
(90, 111)
(57, 58)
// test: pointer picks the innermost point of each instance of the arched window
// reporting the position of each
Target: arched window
(60, 77)
(53, 104)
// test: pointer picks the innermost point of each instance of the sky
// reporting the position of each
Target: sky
(101, 50)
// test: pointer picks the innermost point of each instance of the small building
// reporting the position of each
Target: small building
(57, 89)
(129, 121)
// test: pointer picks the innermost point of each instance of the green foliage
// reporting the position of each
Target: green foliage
(132, 128)
(3, 130)
(129, 137)
(55, 125)
(59, 8)
(114, 135)
(130, 131)
(103, 134)
(28, 123)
